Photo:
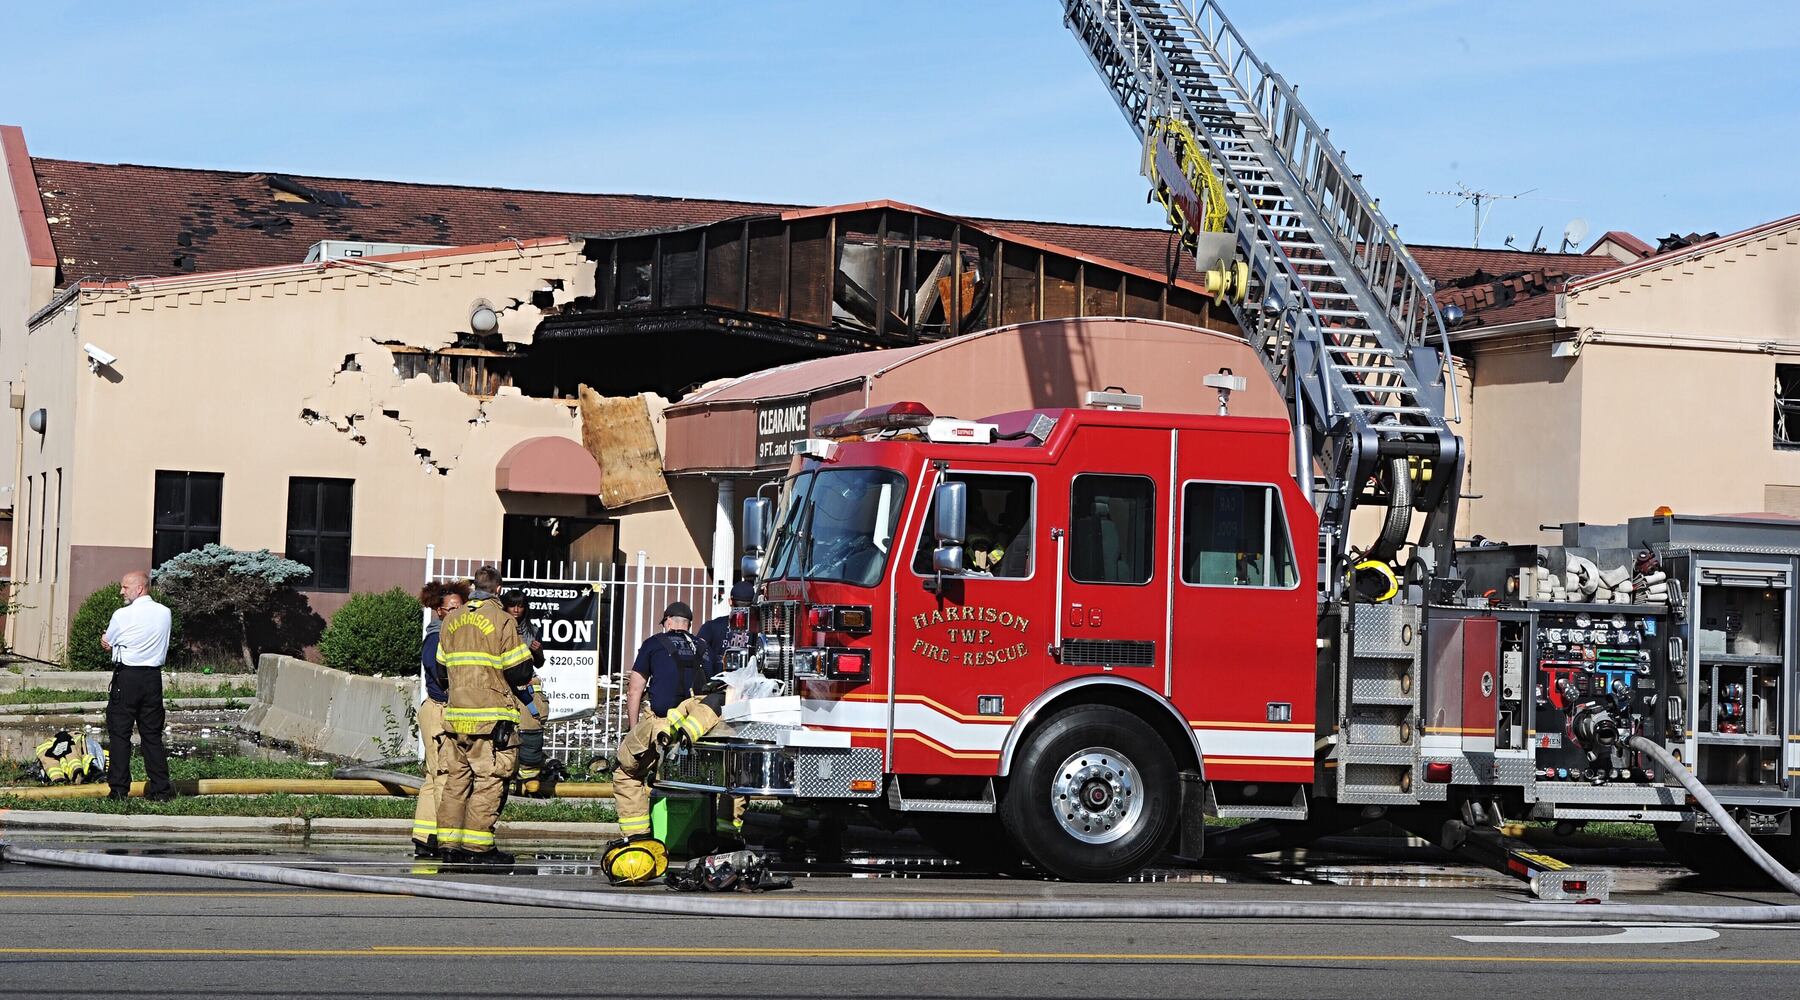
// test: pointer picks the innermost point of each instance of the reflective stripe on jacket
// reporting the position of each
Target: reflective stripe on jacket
(478, 646)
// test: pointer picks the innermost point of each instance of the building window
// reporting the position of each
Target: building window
(187, 513)
(318, 531)
(1233, 535)
(999, 532)
(1787, 406)
(56, 529)
(1110, 539)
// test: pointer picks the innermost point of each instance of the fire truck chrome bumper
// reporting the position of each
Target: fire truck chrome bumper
(753, 767)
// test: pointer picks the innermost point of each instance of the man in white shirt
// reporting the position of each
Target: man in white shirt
(138, 639)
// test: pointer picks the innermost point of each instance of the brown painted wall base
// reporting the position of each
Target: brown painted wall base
(94, 566)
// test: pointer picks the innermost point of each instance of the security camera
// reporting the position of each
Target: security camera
(97, 357)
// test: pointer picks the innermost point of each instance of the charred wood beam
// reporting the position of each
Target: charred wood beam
(587, 326)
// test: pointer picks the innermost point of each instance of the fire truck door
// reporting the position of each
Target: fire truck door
(969, 656)
(1114, 608)
(1244, 627)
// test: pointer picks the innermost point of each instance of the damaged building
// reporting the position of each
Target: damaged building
(349, 371)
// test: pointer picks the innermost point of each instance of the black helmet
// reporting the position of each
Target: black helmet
(678, 610)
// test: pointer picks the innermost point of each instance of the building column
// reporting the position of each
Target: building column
(724, 548)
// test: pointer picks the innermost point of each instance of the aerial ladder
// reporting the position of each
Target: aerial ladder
(1342, 315)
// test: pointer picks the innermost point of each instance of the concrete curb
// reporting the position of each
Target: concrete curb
(338, 830)
(86, 707)
(101, 680)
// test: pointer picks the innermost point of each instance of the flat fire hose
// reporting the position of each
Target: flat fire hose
(801, 908)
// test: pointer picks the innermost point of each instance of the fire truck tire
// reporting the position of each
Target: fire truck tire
(1093, 795)
(1718, 861)
(977, 843)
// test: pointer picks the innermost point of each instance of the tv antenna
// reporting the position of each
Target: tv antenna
(1482, 200)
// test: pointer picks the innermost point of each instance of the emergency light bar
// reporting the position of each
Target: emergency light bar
(872, 419)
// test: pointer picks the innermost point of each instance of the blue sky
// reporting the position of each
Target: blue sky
(1649, 116)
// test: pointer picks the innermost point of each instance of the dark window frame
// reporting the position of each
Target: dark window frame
(1787, 407)
(1285, 536)
(1149, 531)
(194, 533)
(318, 533)
(926, 535)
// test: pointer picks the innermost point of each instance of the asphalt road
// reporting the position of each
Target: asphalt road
(71, 933)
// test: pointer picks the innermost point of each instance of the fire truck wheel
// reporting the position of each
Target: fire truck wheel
(1718, 861)
(1092, 796)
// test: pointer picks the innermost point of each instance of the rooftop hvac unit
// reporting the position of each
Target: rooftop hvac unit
(338, 249)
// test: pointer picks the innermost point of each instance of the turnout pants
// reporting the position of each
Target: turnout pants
(637, 755)
(475, 773)
(136, 697)
(425, 810)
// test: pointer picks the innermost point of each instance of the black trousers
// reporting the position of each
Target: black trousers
(136, 697)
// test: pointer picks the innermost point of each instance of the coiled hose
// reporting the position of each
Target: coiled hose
(1775, 869)
(802, 908)
(1398, 520)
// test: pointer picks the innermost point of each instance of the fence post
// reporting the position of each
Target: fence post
(638, 616)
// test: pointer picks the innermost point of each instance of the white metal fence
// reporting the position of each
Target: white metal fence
(632, 597)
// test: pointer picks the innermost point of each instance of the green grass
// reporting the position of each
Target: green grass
(52, 696)
(311, 807)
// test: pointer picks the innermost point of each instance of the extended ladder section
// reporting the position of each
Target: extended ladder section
(1340, 311)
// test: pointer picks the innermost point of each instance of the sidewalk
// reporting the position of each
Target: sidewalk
(324, 830)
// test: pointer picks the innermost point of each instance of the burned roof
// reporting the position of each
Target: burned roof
(128, 220)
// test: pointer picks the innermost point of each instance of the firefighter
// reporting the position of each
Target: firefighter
(671, 668)
(534, 706)
(640, 857)
(64, 759)
(442, 600)
(480, 649)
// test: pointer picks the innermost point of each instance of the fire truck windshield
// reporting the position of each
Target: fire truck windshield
(837, 525)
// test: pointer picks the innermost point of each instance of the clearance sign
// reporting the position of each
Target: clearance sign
(780, 424)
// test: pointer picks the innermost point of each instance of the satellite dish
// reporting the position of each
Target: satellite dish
(1574, 233)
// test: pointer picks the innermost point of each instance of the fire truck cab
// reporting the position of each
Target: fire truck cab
(1064, 627)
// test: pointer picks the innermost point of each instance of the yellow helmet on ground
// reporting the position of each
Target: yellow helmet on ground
(635, 862)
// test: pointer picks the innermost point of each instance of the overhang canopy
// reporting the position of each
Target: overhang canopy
(548, 465)
(748, 424)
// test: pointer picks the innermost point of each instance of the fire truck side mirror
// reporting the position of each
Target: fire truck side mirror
(755, 533)
(951, 522)
(947, 560)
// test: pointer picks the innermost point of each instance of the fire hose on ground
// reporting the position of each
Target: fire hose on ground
(791, 908)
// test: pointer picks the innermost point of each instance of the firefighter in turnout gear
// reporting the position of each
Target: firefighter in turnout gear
(671, 668)
(480, 649)
(640, 857)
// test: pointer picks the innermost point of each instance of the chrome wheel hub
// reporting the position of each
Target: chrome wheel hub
(1097, 796)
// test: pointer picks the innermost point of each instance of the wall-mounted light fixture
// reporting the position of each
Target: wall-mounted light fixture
(38, 420)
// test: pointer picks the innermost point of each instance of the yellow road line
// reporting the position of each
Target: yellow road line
(967, 955)
(128, 894)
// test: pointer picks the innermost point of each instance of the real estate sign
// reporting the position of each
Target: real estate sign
(566, 617)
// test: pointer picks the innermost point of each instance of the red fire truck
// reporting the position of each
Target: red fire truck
(1062, 599)
(1066, 635)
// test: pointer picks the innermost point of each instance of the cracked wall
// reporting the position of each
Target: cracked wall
(267, 376)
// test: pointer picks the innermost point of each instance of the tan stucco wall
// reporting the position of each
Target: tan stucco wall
(49, 482)
(1669, 399)
(1524, 443)
(1749, 291)
(214, 376)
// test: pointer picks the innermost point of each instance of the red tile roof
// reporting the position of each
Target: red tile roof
(1495, 287)
(128, 220)
(124, 220)
(1626, 240)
